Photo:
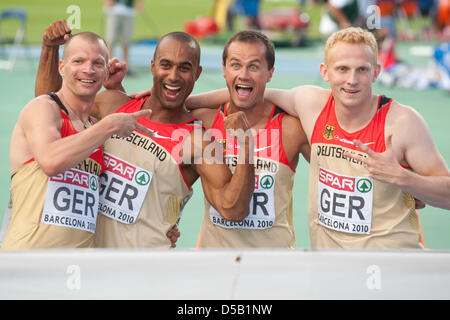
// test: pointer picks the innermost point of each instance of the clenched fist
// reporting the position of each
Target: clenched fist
(237, 124)
(116, 72)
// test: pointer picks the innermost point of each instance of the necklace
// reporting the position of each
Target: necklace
(85, 124)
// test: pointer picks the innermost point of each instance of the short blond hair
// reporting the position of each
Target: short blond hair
(352, 35)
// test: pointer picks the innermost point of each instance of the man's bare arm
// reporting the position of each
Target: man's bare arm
(211, 99)
(230, 193)
(40, 122)
(410, 141)
(429, 179)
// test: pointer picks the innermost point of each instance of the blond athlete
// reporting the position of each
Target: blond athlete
(368, 151)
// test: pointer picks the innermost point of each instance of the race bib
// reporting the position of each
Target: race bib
(123, 187)
(72, 200)
(262, 209)
(345, 202)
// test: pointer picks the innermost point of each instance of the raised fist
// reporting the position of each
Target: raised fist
(56, 34)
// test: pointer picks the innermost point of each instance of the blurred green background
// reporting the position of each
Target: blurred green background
(158, 18)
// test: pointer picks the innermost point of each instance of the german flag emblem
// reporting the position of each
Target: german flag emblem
(224, 144)
(328, 133)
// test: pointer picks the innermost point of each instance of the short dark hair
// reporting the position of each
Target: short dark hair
(252, 36)
(89, 36)
(184, 38)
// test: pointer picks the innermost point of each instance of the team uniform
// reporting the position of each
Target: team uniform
(270, 221)
(58, 211)
(347, 208)
(143, 190)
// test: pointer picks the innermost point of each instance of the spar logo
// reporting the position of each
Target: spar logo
(142, 178)
(93, 183)
(266, 182)
(364, 185)
(339, 182)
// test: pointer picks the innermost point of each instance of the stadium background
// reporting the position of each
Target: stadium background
(294, 66)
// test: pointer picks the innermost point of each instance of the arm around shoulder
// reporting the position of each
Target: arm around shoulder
(296, 101)
(107, 102)
(210, 99)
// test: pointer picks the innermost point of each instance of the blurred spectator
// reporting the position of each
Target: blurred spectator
(364, 12)
(387, 19)
(404, 75)
(426, 7)
(231, 14)
(408, 10)
(428, 12)
(338, 14)
(120, 23)
(442, 57)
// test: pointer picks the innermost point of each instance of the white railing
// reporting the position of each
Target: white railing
(224, 274)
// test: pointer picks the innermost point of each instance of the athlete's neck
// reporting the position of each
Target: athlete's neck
(80, 105)
(164, 114)
(257, 115)
(353, 118)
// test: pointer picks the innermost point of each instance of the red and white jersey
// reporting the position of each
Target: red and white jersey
(347, 208)
(270, 221)
(143, 190)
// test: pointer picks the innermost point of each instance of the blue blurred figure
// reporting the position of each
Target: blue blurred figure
(247, 8)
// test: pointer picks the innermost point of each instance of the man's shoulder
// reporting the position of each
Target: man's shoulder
(205, 115)
(41, 109)
(294, 138)
(404, 121)
(40, 104)
(310, 100)
(291, 126)
(43, 99)
(312, 92)
(309, 96)
(288, 119)
(109, 95)
(400, 112)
